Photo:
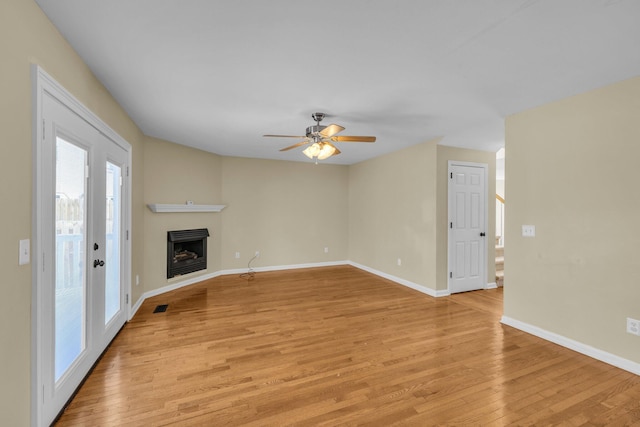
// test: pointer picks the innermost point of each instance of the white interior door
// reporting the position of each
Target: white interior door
(81, 292)
(467, 226)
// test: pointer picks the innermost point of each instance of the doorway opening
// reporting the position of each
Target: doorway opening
(500, 208)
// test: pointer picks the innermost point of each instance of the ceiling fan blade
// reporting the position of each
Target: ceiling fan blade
(284, 136)
(294, 145)
(353, 138)
(331, 130)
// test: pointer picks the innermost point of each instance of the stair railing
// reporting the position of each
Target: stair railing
(500, 219)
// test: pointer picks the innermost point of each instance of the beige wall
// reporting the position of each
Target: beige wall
(572, 172)
(174, 174)
(398, 208)
(289, 211)
(392, 214)
(372, 213)
(27, 37)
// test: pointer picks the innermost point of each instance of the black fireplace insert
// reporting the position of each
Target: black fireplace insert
(186, 251)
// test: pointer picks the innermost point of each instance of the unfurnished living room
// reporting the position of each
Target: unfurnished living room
(272, 213)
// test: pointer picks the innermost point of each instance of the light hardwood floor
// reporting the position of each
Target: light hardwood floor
(339, 346)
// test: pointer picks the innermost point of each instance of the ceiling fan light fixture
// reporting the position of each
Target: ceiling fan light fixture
(312, 151)
(327, 151)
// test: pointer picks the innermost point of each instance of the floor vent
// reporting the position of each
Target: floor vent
(161, 308)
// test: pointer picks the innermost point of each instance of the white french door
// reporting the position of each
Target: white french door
(81, 286)
(467, 226)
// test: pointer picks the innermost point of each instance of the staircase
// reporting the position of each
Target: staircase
(499, 263)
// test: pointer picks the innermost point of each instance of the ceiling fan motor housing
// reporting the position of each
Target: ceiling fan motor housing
(314, 130)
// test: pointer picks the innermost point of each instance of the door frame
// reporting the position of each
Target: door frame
(450, 200)
(43, 83)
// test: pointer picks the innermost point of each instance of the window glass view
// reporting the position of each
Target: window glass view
(112, 240)
(70, 243)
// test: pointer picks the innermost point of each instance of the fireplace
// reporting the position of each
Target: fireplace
(186, 251)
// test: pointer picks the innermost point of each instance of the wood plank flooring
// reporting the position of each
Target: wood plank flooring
(339, 346)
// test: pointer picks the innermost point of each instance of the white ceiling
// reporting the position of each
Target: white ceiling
(218, 74)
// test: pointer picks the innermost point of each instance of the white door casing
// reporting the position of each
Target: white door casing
(62, 123)
(467, 226)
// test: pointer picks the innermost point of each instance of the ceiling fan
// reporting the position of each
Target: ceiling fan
(321, 138)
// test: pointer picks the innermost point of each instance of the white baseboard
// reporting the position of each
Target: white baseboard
(177, 284)
(182, 283)
(171, 287)
(407, 283)
(135, 307)
(491, 285)
(284, 267)
(582, 348)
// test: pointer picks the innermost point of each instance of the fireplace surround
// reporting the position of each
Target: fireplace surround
(186, 251)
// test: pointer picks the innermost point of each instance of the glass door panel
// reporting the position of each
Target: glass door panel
(70, 243)
(112, 297)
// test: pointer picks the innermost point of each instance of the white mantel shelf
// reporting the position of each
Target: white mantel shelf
(166, 208)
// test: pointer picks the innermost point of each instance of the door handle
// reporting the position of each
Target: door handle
(97, 262)
(482, 234)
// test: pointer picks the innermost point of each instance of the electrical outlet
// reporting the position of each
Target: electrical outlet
(529, 231)
(137, 279)
(237, 255)
(633, 326)
(399, 262)
(326, 250)
(258, 254)
(25, 252)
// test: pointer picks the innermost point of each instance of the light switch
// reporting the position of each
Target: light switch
(25, 252)
(528, 231)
